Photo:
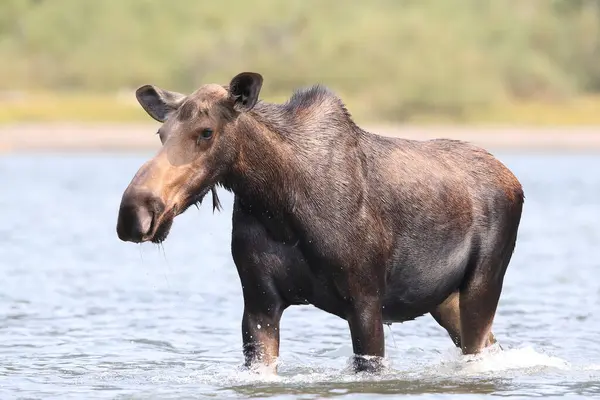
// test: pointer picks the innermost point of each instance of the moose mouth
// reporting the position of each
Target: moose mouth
(161, 226)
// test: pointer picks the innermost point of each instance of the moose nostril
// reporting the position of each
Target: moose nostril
(144, 218)
(134, 223)
(137, 213)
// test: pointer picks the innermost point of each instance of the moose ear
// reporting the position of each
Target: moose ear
(157, 102)
(244, 89)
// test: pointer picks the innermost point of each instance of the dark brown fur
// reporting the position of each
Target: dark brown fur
(369, 228)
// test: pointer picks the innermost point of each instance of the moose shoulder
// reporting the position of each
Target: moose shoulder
(369, 228)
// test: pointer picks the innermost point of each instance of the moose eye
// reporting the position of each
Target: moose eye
(205, 134)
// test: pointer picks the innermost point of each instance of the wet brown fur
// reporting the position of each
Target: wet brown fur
(369, 228)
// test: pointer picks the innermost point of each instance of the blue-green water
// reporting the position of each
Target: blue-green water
(85, 316)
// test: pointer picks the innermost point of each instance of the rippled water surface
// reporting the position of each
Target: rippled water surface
(83, 315)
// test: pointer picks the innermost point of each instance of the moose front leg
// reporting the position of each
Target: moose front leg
(260, 334)
(366, 329)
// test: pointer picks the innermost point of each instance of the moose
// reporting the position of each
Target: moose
(373, 229)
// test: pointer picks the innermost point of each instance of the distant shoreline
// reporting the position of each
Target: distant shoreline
(131, 137)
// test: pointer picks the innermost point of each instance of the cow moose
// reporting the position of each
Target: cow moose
(372, 229)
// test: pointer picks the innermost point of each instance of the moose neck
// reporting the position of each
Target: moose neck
(288, 166)
(266, 170)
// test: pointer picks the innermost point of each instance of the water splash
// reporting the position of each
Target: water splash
(494, 360)
(451, 365)
(492, 371)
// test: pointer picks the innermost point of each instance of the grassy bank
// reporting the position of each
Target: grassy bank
(500, 61)
(52, 107)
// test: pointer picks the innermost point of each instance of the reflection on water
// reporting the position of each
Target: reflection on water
(83, 315)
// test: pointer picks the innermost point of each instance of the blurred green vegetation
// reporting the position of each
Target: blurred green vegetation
(392, 60)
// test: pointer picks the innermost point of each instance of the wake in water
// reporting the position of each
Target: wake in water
(518, 371)
(451, 365)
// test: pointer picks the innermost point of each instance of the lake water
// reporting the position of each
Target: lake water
(85, 316)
